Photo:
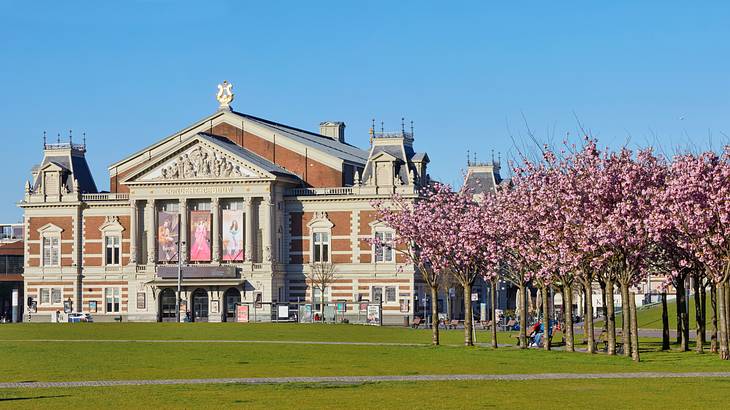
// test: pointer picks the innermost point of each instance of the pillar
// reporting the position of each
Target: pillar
(151, 226)
(183, 229)
(133, 233)
(216, 236)
(248, 250)
(266, 234)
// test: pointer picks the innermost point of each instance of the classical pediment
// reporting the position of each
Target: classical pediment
(199, 159)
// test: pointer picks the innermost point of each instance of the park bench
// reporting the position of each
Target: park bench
(486, 324)
(510, 325)
(118, 319)
(453, 324)
(603, 339)
(416, 322)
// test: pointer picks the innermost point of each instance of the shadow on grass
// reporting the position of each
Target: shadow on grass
(33, 398)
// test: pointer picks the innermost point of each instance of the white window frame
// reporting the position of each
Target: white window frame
(112, 228)
(320, 224)
(118, 238)
(50, 291)
(49, 250)
(104, 296)
(385, 295)
(315, 245)
(376, 247)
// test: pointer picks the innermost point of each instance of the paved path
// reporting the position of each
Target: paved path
(283, 342)
(361, 379)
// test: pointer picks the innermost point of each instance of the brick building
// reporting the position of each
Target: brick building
(253, 202)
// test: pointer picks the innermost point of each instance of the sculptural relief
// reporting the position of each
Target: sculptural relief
(200, 163)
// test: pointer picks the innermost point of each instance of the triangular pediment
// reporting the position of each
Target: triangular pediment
(201, 158)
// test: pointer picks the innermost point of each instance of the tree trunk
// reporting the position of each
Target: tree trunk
(678, 304)
(468, 335)
(568, 312)
(589, 318)
(721, 290)
(605, 306)
(448, 304)
(727, 315)
(703, 312)
(625, 319)
(523, 317)
(713, 306)
(546, 317)
(584, 308)
(434, 314)
(494, 313)
(665, 322)
(698, 316)
(610, 319)
(682, 318)
(634, 328)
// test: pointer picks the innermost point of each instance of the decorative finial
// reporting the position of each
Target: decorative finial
(402, 125)
(492, 157)
(225, 95)
(468, 158)
(475, 157)
(70, 138)
(58, 138)
(372, 132)
(382, 127)
(44, 139)
(84, 140)
(412, 136)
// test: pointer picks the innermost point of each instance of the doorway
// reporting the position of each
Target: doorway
(168, 311)
(232, 298)
(200, 305)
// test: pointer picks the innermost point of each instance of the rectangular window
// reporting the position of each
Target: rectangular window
(50, 251)
(45, 296)
(56, 296)
(377, 294)
(321, 247)
(390, 294)
(383, 247)
(112, 250)
(112, 299)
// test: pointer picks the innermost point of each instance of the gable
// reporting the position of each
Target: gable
(200, 159)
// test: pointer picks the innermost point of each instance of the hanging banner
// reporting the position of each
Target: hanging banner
(167, 234)
(232, 235)
(200, 236)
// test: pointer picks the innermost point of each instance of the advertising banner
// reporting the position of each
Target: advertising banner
(232, 235)
(200, 236)
(373, 315)
(242, 313)
(167, 234)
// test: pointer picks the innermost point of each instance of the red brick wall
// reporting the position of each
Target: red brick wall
(312, 172)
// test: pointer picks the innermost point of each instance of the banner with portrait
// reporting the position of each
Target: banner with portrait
(200, 236)
(167, 234)
(232, 235)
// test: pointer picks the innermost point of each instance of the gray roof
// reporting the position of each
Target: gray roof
(478, 181)
(333, 147)
(246, 155)
(76, 166)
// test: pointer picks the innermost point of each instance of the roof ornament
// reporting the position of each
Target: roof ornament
(225, 95)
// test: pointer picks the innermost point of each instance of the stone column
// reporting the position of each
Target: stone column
(268, 221)
(183, 229)
(151, 226)
(215, 236)
(248, 250)
(133, 233)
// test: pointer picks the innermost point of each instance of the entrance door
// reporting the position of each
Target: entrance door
(232, 297)
(200, 306)
(168, 311)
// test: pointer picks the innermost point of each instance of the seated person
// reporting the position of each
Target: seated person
(537, 330)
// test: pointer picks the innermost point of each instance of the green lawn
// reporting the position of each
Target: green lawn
(542, 394)
(651, 317)
(195, 355)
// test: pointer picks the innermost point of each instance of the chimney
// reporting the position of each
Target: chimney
(333, 129)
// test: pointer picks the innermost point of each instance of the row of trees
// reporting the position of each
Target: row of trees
(576, 217)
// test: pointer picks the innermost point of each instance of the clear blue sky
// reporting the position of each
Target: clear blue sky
(130, 73)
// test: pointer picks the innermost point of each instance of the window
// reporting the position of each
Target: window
(377, 294)
(50, 251)
(321, 246)
(56, 296)
(112, 250)
(45, 296)
(112, 299)
(383, 247)
(390, 294)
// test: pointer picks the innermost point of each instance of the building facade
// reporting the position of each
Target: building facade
(242, 204)
(11, 272)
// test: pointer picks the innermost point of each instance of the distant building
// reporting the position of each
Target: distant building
(11, 272)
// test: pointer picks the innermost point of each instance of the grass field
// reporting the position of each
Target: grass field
(209, 351)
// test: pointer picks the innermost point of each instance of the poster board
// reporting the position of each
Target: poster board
(242, 313)
(283, 311)
(373, 317)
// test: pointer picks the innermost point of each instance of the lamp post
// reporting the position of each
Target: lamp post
(180, 244)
